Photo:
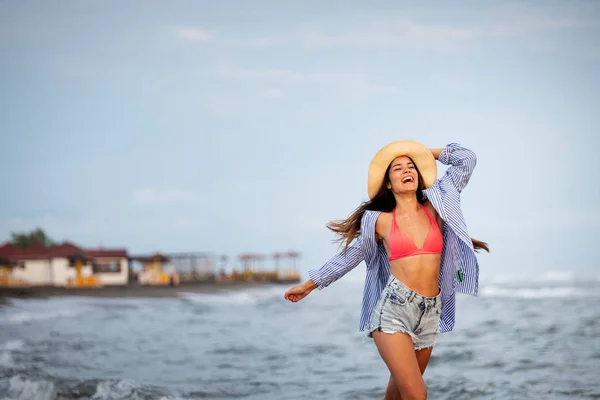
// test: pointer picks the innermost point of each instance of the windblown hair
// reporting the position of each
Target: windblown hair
(349, 229)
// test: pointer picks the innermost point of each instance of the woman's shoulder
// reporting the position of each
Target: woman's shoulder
(377, 221)
(372, 212)
(370, 215)
(374, 216)
(372, 220)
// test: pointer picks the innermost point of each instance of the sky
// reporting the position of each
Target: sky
(232, 127)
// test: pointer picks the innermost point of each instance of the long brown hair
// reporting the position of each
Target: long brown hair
(349, 229)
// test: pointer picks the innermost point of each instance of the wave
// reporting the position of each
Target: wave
(6, 359)
(241, 297)
(124, 389)
(25, 389)
(6, 349)
(555, 276)
(12, 345)
(537, 292)
(26, 316)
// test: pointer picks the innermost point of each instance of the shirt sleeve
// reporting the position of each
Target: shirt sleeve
(338, 266)
(462, 161)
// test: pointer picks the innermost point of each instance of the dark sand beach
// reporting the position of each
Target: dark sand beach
(136, 290)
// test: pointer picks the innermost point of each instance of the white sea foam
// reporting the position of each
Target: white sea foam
(244, 296)
(12, 345)
(508, 278)
(6, 349)
(24, 389)
(6, 359)
(27, 316)
(555, 276)
(124, 389)
(115, 390)
(536, 292)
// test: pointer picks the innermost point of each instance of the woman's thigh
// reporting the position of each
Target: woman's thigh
(423, 356)
(398, 353)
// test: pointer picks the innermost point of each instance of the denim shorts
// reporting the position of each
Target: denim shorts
(401, 309)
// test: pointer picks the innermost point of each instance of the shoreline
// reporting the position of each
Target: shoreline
(138, 291)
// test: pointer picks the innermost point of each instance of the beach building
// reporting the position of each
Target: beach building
(7, 278)
(194, 266)
(156, 270)
(64, 265)
(253, 268)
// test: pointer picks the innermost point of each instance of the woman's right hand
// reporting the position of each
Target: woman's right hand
(299, 292)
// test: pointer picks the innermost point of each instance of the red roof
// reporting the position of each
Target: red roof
(66, 249)
(97, 253)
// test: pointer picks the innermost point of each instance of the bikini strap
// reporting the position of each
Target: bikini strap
(394, 225)
(428, 213)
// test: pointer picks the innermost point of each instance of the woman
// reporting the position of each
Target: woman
(413, 238)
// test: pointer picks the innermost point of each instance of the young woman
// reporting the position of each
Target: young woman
(414, 240)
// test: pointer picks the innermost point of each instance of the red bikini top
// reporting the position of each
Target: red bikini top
(401, 245)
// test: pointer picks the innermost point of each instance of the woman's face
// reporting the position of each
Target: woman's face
(403, 175)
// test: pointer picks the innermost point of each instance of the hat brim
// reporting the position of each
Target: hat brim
(420, 155)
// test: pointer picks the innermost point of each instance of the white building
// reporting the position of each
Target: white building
(64, 265)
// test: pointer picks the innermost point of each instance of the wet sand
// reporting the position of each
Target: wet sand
(135, 290)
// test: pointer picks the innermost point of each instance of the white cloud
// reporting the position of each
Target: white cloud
(293, 77)
(520, 26)
(272, 94)
(369, 33)
(185, 225)
(546, 220)
(310, 224)
(222, 106)
(161, 197)
(193, 34)
(263, 41)
(395, 32)
(284, 76)
(242, 188)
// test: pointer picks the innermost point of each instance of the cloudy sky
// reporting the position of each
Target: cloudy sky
(237, 126)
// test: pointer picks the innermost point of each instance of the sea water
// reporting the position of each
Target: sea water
(520, 339)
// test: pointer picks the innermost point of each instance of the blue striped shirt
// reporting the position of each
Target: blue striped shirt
(457, 252)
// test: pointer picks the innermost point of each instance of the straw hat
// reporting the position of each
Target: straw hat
(420, 154)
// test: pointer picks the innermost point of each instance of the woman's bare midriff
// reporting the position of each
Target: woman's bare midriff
(420, 273)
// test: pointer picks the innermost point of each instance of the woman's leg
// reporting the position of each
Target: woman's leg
(392, 392)
(423, 357)
(397, 351)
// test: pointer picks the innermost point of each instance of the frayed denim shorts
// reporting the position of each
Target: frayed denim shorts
(401, 309)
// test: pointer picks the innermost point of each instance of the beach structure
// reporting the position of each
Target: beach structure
(197, 267)
(70, 266)
(194, 266)
(289, 273)
(156, 270)
(7, 277)
(253, 267)
(64, 265)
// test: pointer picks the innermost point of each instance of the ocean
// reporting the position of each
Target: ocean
(520, 339)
